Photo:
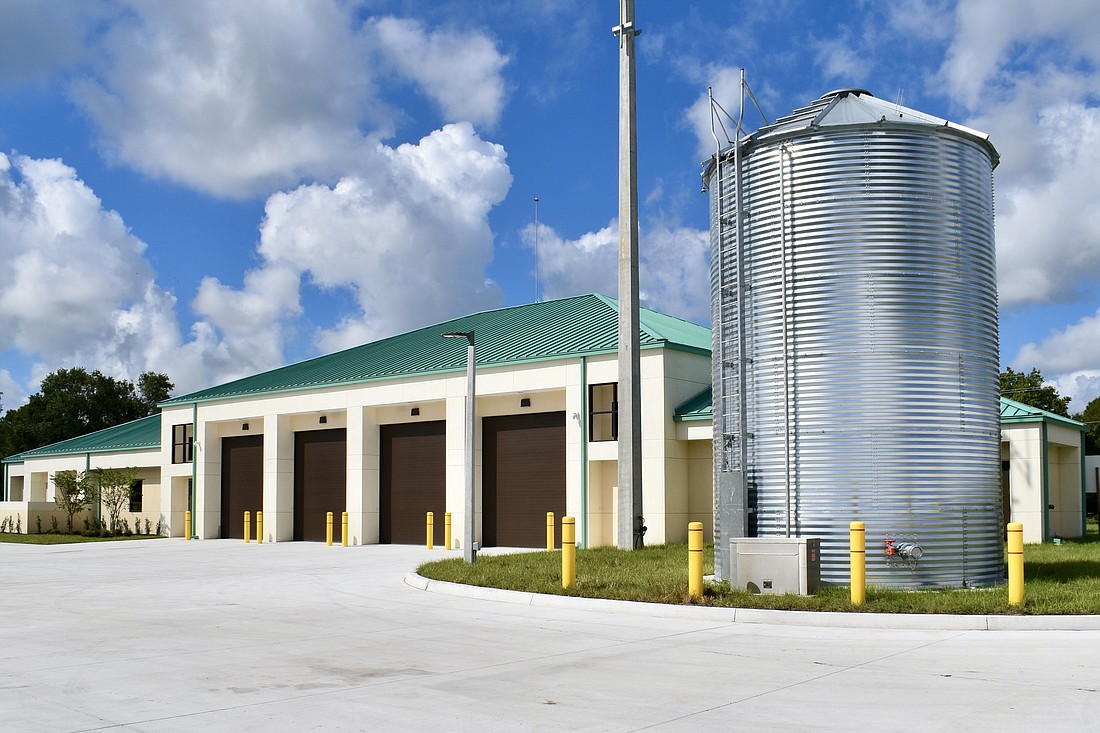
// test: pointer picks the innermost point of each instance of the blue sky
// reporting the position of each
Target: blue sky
(211, 189)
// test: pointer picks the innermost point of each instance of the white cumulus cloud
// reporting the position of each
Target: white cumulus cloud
(672, 262)
(459, 70)
(78, 290)
(244, 98)
(408, 236)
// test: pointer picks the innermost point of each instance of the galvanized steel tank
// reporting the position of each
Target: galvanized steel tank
(856, 353)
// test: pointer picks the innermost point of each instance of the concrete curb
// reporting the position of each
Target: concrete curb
(922, 622)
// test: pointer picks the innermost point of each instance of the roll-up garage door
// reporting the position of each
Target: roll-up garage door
(523, 478)
(242, 482)
(412, 482)
(320, 482)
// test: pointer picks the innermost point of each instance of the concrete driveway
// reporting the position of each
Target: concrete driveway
(218, 636)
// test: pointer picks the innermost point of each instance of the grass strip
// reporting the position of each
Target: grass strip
(1059, 579)
(64, 539)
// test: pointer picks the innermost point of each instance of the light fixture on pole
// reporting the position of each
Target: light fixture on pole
(468, 552)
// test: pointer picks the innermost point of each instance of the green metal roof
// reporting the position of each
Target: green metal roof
(557, 329)
(698, 407)
(1017, 412)
(141, 434)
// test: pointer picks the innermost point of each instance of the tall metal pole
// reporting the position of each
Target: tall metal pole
(536, 249)
(630, 421)
(468, 553)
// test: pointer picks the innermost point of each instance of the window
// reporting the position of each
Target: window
(135, 496)
(183, 438)
(603, 412)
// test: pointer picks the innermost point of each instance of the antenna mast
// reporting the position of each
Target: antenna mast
(536, 249)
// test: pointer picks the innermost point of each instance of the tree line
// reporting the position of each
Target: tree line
(73, 402)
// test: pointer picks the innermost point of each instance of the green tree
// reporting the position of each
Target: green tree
(154, 388)
(114, 488)
(74, 492)
(1091, 417)
(74, 402)
(1029, 389)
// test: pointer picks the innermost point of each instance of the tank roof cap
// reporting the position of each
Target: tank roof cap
(845, 92)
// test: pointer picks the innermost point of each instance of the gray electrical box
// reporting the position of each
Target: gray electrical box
(775, 564)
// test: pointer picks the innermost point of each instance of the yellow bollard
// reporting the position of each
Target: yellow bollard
(549, 531)
(431, 530)
(857, 553)
(695, 559)
(259, 528)
(1015, 564)
(568, 552)
(187, 524)
(447, 531)
(247, 527)
(344, 529)
(328, 529)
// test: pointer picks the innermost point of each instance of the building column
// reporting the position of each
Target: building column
(362, 480)
(456, 466)
(278, 479)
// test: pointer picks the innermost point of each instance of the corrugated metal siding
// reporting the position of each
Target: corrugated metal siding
(871, 336)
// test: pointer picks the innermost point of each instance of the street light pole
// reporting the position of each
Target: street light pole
(468, 553)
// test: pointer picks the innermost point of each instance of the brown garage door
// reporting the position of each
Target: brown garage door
(524, 477)
(242, 482)
(412, 482)
(320, 482)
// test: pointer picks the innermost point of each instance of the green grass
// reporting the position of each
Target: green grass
(1059, 579)
(64, 539)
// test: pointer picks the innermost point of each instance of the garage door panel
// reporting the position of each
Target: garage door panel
(242, 482)
(524, 478)
(412, 481)
(320, 481)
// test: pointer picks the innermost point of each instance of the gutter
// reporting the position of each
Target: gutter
(1084, 522)
(584, 451)
(194, 468)
(1044, 468)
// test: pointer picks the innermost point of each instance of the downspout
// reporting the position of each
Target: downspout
(584, 451)
(1081, 456)
(99, 497)
(194, 467)
(1046, 484)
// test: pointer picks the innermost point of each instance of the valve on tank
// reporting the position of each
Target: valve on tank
(902, 552)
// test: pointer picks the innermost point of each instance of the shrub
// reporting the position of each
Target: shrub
(160, 525)
(148, 525)
(38, 524)
(4, 524)
(19, 524)
(53, 523)
(87, 524)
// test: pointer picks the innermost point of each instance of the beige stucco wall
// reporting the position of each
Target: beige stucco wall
(1022, 446)
(34, 490)
(670, 469)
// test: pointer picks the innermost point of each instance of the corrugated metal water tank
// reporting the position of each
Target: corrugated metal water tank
(856, 354)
